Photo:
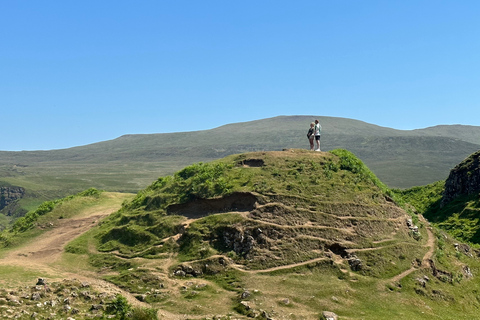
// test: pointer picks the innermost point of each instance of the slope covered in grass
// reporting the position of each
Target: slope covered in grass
(454, 205)
(276, 234)
(130, 162)
(283, 235)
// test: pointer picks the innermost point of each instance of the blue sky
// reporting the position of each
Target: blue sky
(79, 72)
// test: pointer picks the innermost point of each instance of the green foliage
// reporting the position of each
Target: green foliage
(230, 280)
(29, 221)
(137, 281)
(203, 238)
(109, 261)
(91, 192)
(200, 180)
(143, 314)
(138, 234)
(424, 198)
(349, 162)
(460, 218)
(119, 307)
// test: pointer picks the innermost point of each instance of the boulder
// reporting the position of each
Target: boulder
(327, 315)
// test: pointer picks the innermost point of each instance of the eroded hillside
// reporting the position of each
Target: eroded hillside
(220, 225)
(278, 235)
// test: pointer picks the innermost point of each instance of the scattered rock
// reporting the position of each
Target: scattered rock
(467, 272)
(327, 315)
(355, 263)
(245, 304)
(245, 294)
(96, 307)
(36, 296)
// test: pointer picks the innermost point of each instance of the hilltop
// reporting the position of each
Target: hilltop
(129, 163)
(277, 235)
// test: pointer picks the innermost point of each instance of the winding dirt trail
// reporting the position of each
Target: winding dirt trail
(47, 248)
(426, 258)
(43, 254)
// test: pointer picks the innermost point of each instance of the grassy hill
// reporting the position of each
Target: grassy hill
(454, 204)
(129, 163)
(276, 235)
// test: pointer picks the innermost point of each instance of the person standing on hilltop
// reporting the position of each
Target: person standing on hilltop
(310, 135)
(318, 131)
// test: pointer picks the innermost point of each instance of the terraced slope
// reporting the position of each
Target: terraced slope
(218, 225)
(267, 235)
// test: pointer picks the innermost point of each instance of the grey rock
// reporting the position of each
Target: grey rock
(245, 294)
(327, 315)
(36, 296)
(245, 304)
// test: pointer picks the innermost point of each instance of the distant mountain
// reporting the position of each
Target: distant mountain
(400, 158)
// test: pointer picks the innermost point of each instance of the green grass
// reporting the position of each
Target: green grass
(306, 206)
(132, 162)
(36, 222)
(460, 217)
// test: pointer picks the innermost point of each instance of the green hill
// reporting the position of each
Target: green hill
(129, 163)
(454, 204)
(281, 235)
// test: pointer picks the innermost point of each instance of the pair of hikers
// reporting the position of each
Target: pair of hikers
(314, 135)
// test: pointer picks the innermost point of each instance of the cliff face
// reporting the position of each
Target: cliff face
(8, 195)
(464, 179)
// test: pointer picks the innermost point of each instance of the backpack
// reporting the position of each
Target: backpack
(310, 133)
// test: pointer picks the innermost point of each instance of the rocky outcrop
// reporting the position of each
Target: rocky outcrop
(57, 300)
(464, 179)
(8, 195)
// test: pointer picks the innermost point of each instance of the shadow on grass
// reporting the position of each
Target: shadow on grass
(460, 217)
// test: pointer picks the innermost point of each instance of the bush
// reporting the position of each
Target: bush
(143, 314)
(119, 307)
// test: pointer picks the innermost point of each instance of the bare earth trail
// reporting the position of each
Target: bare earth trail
(43, 254)
(426, 258)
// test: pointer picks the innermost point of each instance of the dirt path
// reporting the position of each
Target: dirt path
(428, 255)
(48, 247)
(44, 253)
(287, 266)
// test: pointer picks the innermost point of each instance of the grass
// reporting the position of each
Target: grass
(132, 162)
(311, 213)
(335, 191)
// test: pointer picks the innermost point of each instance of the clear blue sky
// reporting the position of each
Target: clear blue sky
(78, 72)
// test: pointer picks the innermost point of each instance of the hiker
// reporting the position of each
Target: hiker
(310, 135)
(318, 130)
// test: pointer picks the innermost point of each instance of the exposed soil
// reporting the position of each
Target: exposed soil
(426, 258)
(43, 254)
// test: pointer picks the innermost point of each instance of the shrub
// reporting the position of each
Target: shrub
(120, 307)
(143, 314)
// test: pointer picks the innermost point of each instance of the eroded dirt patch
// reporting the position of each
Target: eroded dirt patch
(255, 163)
(238, 201)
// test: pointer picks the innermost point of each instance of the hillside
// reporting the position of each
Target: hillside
(454, 205)
(129, 163)
(276, 235)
